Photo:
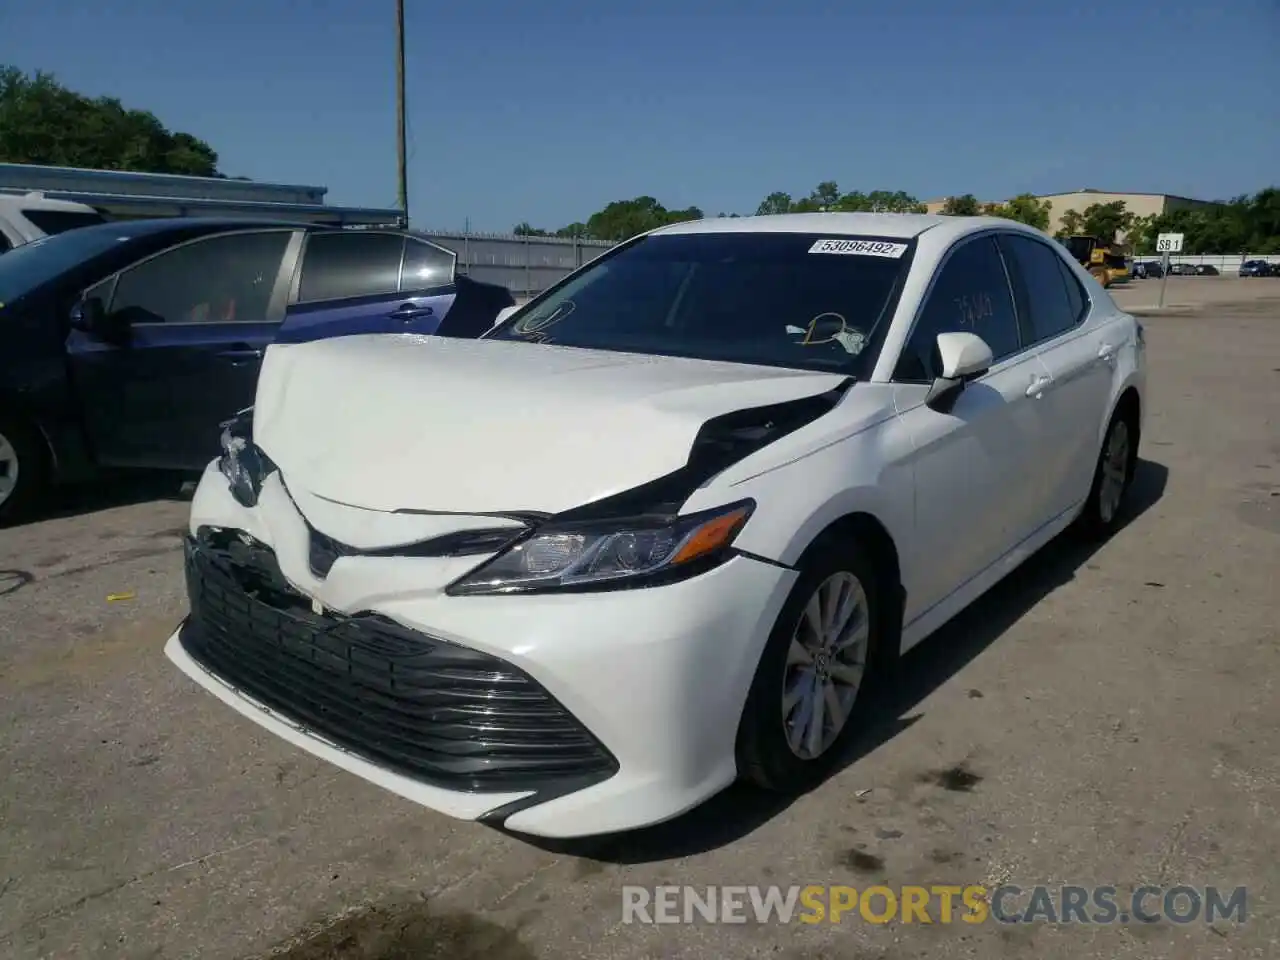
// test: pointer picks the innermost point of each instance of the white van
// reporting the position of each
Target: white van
(30, 216)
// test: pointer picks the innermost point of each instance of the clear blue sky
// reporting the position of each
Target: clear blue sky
(546, 110)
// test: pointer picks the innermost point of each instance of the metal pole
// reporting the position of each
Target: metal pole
(1164, 277)
(400, 126)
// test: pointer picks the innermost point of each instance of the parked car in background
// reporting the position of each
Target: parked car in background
(703, 491)
(128, 344)
(1206, 270)
(30, 216)
(1256, 268)
(1182, 270)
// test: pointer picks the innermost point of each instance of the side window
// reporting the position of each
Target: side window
(5, 246)
(1075, 294)
(339, 265)
(1044, 306)
(426, 265)
(224, 279)
(971, 294)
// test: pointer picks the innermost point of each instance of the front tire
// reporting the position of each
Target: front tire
(1112, 477)
(817, 671)
(23, 468)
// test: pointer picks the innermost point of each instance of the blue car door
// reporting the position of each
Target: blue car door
(366, 281)
(198, 318)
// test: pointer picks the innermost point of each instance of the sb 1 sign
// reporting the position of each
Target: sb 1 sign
(1167, 243)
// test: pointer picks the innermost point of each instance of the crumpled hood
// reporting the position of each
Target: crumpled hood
(399, 422)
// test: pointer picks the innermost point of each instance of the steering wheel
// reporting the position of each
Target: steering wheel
(830, 329)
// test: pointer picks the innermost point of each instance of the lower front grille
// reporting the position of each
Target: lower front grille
(432, 710)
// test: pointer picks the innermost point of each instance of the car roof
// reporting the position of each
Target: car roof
(899, 225)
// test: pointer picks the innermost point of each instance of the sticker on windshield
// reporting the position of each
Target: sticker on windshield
(860, 248)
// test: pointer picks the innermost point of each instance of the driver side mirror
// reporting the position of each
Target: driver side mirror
(90, 316)
(962, 357)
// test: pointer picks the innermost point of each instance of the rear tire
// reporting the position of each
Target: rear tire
(24, 467)
(813, 683)
(1112, 477)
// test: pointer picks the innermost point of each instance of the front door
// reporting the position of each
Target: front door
(357, 282)
(976, 496)
(199, 318)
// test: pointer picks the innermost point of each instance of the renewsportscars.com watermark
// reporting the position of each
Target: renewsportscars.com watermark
(937, 903)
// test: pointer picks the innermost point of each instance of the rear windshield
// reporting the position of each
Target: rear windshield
(60, 221)
(808, 301)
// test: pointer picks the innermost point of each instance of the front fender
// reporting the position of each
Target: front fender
(798, 501)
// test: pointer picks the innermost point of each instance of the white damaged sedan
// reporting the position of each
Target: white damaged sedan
(660, 528)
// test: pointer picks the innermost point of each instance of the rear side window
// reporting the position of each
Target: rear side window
(1075, 293)
(337, 266)
(60, 221)
(1044, 303)
(970, 295)
(426, 265)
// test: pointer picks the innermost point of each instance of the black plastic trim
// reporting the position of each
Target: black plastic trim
(760, 559)
(429, 709)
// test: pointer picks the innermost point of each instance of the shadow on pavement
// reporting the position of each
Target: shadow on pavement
(111, 490)
(740, 809)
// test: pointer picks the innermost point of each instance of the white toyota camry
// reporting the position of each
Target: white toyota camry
(660, 528)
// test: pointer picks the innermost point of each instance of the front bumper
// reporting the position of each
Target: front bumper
(629, 701)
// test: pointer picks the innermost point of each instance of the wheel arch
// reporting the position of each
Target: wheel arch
(12, 404)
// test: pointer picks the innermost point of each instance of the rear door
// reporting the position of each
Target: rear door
(358, 281)
(200, 316)
(1079, 359)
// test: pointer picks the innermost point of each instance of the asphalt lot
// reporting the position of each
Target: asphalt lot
(1103, 717)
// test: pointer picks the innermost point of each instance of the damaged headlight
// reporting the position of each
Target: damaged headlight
(243, 464)
(616, 555)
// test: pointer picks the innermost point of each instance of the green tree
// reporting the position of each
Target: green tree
(1105, 220)
(826, 195)
(1140, 237)
(525, 230)
(577, 231)
(1071, 224)
(1024, 208)
(774, 203)
(963, 206)
(43, 122)
(623, 219)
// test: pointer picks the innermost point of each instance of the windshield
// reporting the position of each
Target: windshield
(782, 299)
(33, 264)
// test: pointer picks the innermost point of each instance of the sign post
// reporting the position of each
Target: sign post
(1167, 243)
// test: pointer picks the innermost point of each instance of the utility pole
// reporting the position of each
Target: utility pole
(400, 146)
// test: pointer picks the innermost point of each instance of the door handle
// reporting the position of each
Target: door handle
(1107, 353)
(408, 311)
(1038, 385)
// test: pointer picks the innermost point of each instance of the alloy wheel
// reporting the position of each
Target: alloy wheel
(1115, 472)
(826, 662)
(8, 469)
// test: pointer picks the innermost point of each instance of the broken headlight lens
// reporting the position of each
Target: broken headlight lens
(618, 555)
(243, 464)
